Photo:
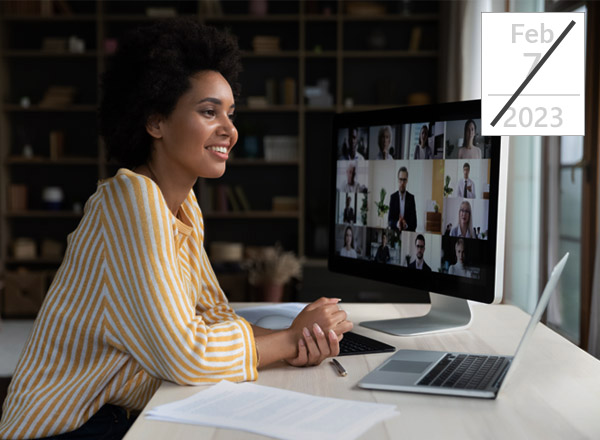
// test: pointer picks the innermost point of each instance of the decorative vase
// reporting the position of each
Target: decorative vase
(271, 292)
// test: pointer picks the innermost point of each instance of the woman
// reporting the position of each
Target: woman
(469, 150)
(459, 268)
(464, 228)
(135, 301)
(423, 150)
(384, 140)
(348, 248)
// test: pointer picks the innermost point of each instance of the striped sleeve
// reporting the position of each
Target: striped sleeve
(151, 314)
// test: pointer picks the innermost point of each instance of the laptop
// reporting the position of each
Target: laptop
(456, 374)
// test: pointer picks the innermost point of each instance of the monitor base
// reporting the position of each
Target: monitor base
(446, 313)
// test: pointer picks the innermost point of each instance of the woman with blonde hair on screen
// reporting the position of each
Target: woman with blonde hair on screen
(464, 228)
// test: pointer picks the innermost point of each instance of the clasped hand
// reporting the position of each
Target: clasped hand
(318, 328)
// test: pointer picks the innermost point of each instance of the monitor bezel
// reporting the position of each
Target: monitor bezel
(488, 291)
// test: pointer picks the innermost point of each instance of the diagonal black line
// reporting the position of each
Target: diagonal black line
(533, 72)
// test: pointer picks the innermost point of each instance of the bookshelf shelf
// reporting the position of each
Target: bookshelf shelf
(47, 54)
(75, 108)
(49, 18)
(35, 161)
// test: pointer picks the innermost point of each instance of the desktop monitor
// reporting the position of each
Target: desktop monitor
(418, 199)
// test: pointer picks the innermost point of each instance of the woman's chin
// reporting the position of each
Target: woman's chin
(214, 173)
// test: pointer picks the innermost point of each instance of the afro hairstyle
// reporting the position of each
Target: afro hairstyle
(150, 72)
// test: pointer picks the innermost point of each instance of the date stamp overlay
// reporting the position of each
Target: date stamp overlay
(533, 74)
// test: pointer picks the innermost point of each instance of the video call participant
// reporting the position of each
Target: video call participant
(348, 248)
(106, 336)
(419, 262)
(349, 214)
(466, 187)
(350, 149)
(403, 210)
(383, 253)
(351, 185)
(423, 150)
(465, 222)
(459, 267)
(384, 141)
(469, 150)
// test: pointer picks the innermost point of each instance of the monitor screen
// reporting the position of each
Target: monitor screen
(415, 199)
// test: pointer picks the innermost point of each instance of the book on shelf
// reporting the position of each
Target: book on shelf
(288, 91)
(241, 195)
(233, 203)
(280, 147)
(222, 198)
(266, 44)
(415, 38)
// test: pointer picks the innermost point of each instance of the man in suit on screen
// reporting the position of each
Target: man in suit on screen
(419, 261)
(403, 211)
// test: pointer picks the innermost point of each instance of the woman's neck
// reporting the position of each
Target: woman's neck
(173, 192)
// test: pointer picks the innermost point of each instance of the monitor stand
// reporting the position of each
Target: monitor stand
(446, 313)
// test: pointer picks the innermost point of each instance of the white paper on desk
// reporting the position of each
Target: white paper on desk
(278, 413)
(253, 314)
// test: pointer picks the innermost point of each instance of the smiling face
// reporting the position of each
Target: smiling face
(196, 138)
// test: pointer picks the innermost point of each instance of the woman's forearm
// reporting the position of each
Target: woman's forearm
(274, 345)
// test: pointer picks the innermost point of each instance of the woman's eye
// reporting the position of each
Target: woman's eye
(232, 117)
(209, 112)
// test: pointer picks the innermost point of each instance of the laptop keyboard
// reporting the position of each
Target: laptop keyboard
(474, 372)
(353, 343)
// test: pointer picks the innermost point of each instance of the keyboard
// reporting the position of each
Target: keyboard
(353, 343)
(472, 372)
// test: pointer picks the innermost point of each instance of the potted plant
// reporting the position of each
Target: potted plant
(382, 208)
(447, 189)
(270, 269)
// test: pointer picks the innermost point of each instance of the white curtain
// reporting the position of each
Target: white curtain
(462, 52)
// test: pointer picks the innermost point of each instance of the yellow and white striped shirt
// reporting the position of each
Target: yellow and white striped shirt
(134, 302)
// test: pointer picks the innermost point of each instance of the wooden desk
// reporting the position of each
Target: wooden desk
(553, 394)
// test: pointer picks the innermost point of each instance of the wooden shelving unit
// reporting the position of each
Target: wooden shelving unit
(347, 50)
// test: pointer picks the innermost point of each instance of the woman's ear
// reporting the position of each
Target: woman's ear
(153, 126)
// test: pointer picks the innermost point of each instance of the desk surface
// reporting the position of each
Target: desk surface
(553, 394)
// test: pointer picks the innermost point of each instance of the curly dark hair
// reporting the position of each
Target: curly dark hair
(150, 72)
